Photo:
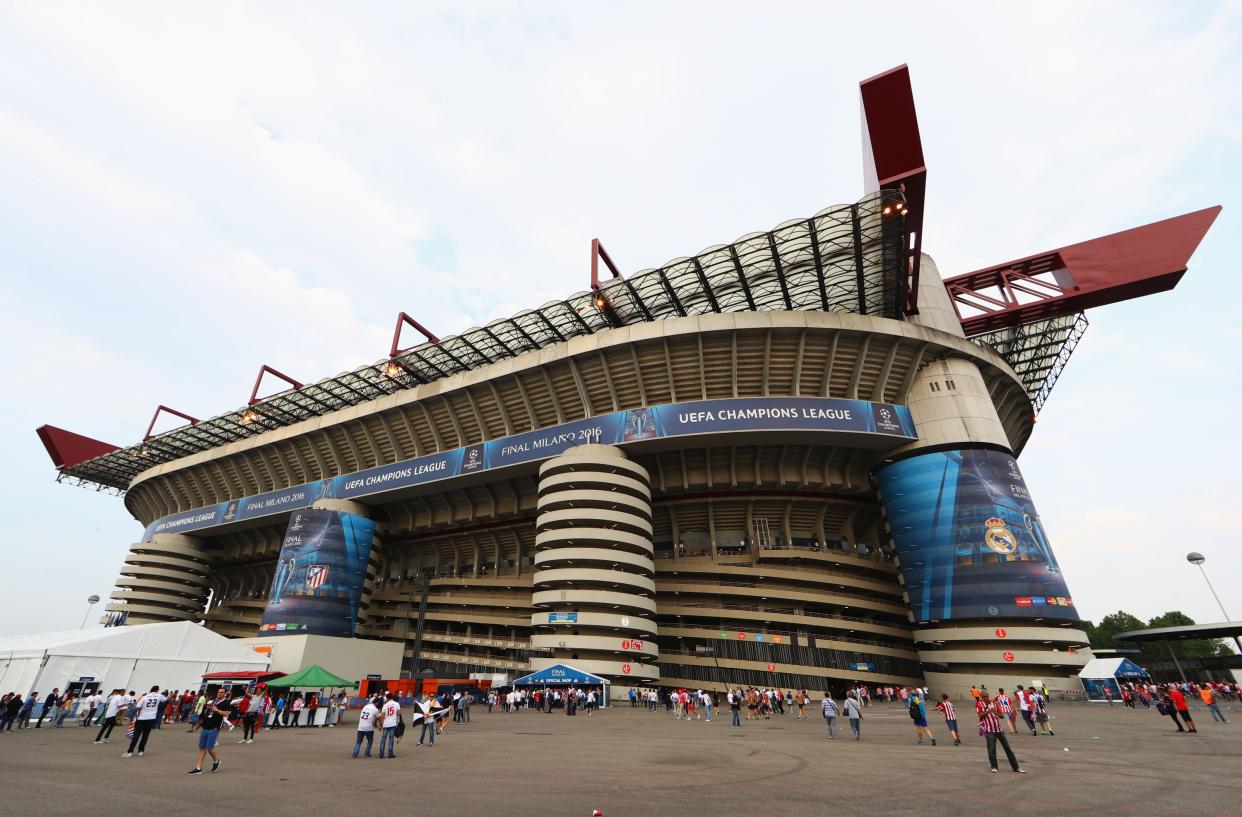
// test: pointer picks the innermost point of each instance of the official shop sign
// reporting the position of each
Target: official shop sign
(815, 414)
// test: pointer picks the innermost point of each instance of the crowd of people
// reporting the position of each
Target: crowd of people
(1000, 715)
(1173, 699)
(548, 699)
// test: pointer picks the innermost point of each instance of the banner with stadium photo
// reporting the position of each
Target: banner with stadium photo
(319, 575)
(969, 539)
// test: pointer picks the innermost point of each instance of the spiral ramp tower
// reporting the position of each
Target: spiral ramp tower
(594, 586)
(165, 579)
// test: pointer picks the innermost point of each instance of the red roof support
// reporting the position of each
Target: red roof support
(402, 321)
(597, 253)
(1104, 270)
(265, 369)
(893, 156)
(68, 449)
(162, 408)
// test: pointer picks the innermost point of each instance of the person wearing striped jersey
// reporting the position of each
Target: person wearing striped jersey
(1005, 707)
(950, 717)
(991, 729)
(1026, 708)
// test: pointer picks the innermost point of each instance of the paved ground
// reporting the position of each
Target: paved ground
(629, 763)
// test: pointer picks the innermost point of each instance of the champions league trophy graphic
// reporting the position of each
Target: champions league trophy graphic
(289, 552)
(639, 425)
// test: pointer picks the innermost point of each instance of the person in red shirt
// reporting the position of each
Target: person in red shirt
(1181, 708)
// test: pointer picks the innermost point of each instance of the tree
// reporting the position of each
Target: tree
(1101, 635)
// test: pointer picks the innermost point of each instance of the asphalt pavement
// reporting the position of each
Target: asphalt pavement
(627, 762)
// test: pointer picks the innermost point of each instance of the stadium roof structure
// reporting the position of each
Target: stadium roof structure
(862, 258)
(1188, 632)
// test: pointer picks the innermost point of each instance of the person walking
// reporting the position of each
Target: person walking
(214, 716)
(1183, 708)
(918, 714)
(830, 715)
(196, 711)
(950, 717)
(144, 721)
(1209, 698)
(854, 712)
(994, 732)
(1025, 708)
(391, 713)
(50, 705)
(1040, 706)
(1004, 707)
(12, 710)
(366, 727)
(735, 708)
(23, 717)
(111, 710)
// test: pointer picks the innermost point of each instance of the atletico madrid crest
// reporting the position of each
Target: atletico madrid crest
(316, 576)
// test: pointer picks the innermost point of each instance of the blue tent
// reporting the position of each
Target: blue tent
(560, 675)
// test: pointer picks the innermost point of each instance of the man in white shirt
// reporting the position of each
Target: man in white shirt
(145, 721)
(113, 708)
(705, 699)
(391, 713)
(366, 727)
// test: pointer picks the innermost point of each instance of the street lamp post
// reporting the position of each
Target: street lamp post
(1196, 558)
(91, 601)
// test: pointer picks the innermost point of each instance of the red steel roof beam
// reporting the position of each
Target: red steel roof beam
(265, 369)
(166, 410)
(893, 156)
(404, 320)
(1104, 270)
(68, 449)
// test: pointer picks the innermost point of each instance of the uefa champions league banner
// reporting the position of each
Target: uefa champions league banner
(789, 414)
(319, 575)
(969, 538)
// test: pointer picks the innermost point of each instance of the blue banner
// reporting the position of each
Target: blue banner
(788, 414)
(319, 575)
(970, 541)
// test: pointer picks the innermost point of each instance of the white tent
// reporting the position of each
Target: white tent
(173, 655)
(1103, 673)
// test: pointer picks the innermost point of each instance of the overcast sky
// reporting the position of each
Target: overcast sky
(190, 190)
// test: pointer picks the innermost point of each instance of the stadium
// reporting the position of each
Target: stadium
(785, 461)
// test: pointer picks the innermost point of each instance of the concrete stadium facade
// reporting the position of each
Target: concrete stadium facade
(706, 545)
(786, 461)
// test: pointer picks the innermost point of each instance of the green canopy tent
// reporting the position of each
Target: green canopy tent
(313, 677)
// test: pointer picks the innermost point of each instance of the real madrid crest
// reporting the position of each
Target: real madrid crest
(999, 538)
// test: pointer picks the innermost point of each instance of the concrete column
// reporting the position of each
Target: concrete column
(164, 579)
(952, 410)
(594, 585)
